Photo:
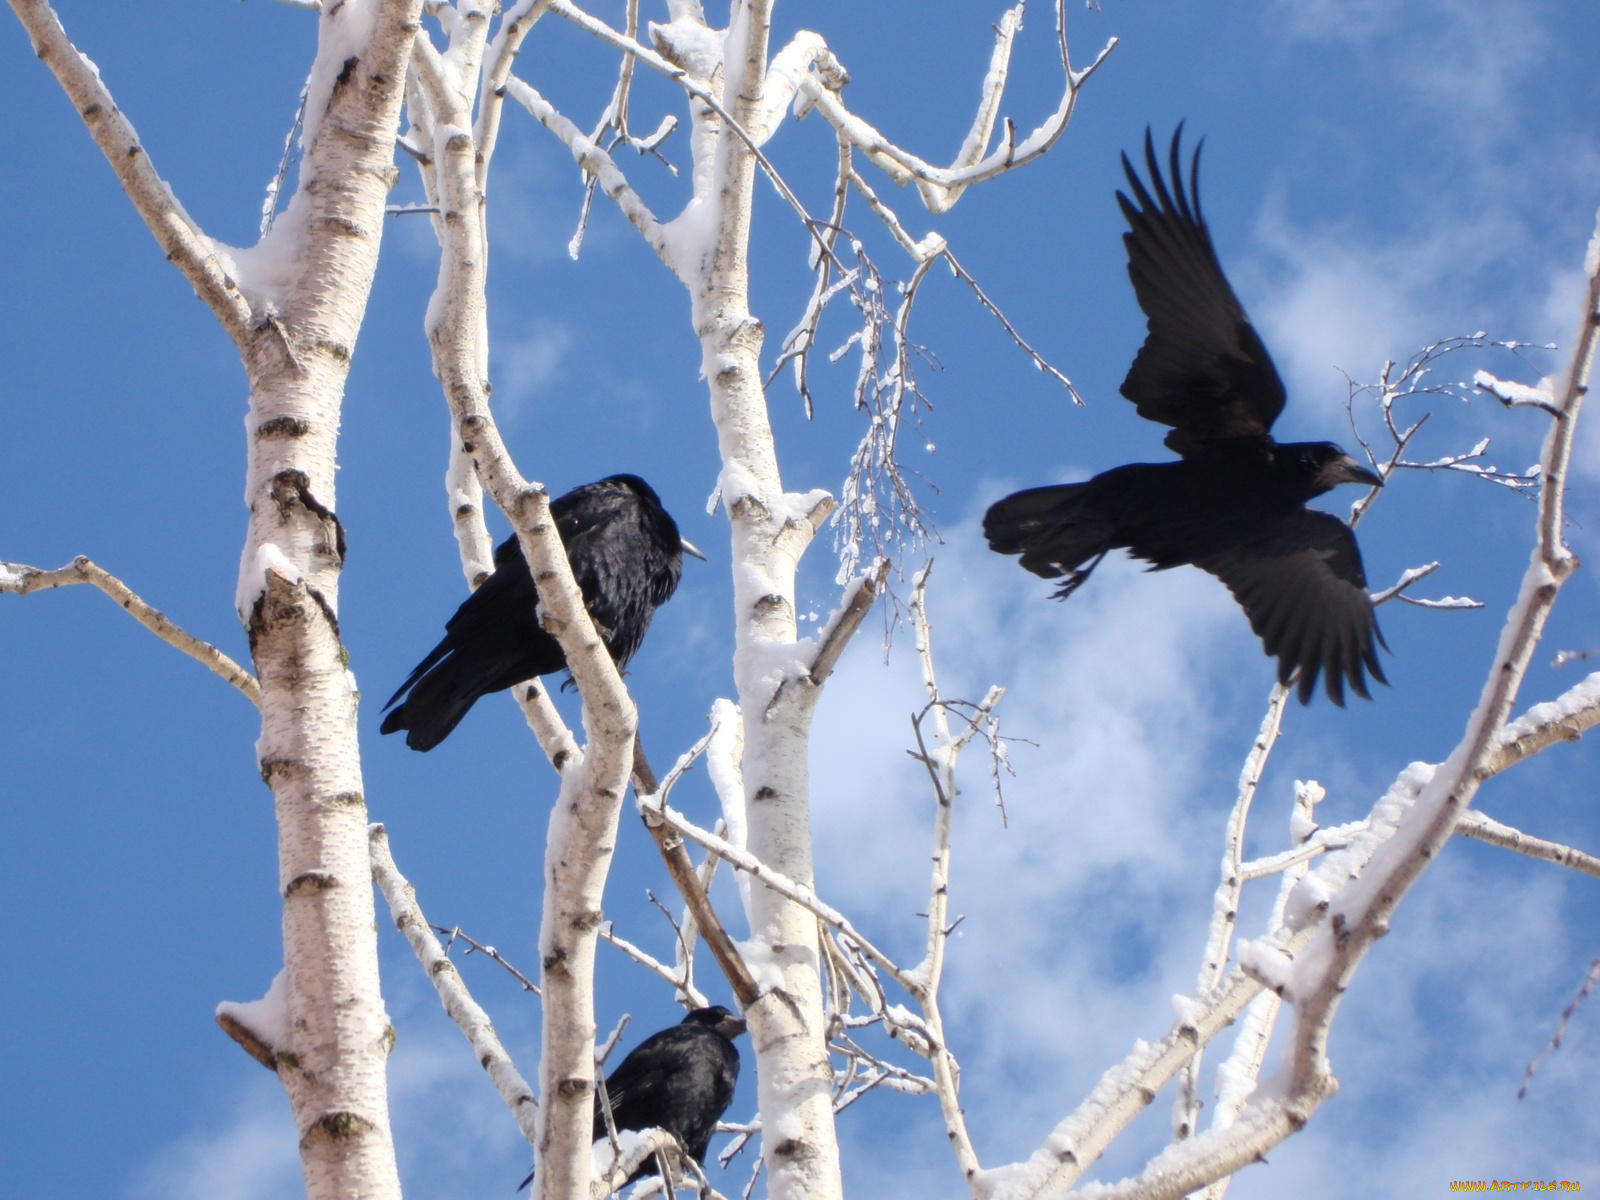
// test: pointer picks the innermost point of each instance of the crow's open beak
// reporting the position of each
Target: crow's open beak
(1348, 470)
(691, 549)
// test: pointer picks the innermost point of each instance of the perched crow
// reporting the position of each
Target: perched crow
(625, 554)
(1235, 503)
(680, 1080)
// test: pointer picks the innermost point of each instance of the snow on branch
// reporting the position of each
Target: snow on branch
(1420, 377)
(458, 1003)
(20, 580)
(1412, 575)
(941, 187)
(1474, 824)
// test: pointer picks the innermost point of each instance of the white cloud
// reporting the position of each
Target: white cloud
(1457, 57)
(252, 1156)
(1089, 911)
(526, 366)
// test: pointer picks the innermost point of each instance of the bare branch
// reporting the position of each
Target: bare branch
(942, 187)
(651, 800)
(20, 580)
(458, 1002)
(454, 932)
(655, 966)
(1561, 1030)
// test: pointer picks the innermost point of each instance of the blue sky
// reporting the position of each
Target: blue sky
(1376, 177)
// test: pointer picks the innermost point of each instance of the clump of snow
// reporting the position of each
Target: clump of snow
(1268, 965)
(343, 32)
(266, 1018)
(1064, 1139)
(764, 969)
(253, 576)
(601, 1159)
(1584, 695)
(1188, 1010)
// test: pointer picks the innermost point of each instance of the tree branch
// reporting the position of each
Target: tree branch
(1474, 824)
(20, 580)
(453, 994)
(183, 241)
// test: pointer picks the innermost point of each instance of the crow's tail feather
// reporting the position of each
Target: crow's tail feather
(1052, 528)
(435, 706)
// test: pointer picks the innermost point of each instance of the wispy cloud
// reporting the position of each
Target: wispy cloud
(249, 1155)
(527, 365)
(1089, 911)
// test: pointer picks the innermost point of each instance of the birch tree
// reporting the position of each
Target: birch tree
(430, 79)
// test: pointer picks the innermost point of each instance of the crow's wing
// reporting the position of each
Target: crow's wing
(639, 1088)
(1202, 369)
(1302, 587)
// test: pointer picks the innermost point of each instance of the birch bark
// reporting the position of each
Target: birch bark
(293, 305)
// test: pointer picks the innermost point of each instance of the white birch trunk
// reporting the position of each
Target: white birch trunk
(293, 305)
(770, 531)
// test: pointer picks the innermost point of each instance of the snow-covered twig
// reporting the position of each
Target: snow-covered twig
(1474, 824)
(1513, 395)
(941, 187)
(458, 1002)
(1565, 719)
(20, 579)
(1319, 841)
(1225, 903)
(1410, 576)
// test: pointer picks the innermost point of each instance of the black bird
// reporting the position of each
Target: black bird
(1234, 505)
(680, 1080)
(626, 555)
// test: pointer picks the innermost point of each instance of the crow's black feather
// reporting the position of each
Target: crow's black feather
(1234, 505)
(626, 555)
(680, 1079)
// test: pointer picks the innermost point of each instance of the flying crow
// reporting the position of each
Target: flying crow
(680, 1080)
(625, 553)
(1234, 505)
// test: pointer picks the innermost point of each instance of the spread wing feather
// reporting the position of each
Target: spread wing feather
(1202, 368)
(1304, 590)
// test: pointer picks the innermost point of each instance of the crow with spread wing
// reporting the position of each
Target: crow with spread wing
(1235, 503)
(626, 555)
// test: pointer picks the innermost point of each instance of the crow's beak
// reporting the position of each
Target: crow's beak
(690, 549)
(731, 1026)
(1348, 470)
